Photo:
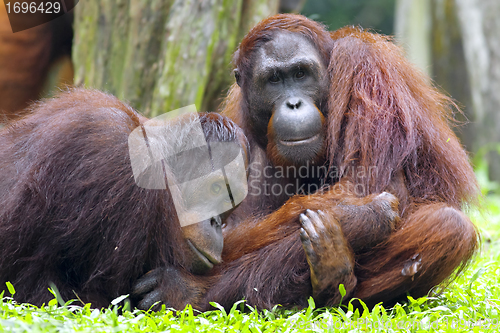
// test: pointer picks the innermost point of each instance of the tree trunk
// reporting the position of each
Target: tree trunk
(430, 33)
(464, 61)
(449, 67)
(412, 26)
(162, 54)
(480, 26)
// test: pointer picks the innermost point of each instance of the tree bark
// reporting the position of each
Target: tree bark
(480, 26)
(449, 67)
(412, 26)
(430, 33)
(162, 54)
(464, 61)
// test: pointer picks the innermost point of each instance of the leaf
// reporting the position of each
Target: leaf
(235, 305)
(311, 303)
(219, 307)
(12, 291)
(118, 299)
(476, 275)
(342, 292)
(311, 307)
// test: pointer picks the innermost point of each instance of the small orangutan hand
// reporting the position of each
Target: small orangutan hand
(165, 285)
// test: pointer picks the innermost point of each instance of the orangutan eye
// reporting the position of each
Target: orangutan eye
(300, 74)
(274, 79)
(215, 188)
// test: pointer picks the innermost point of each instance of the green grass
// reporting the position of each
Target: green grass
(471, 303)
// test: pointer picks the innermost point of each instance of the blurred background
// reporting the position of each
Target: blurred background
(161, 55)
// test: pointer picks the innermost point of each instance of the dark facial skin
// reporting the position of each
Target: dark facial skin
(205, 243)
(285, 89)
(218, 186)
(204, 239)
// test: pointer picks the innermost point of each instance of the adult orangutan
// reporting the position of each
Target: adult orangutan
(350, 112)
(72, 215)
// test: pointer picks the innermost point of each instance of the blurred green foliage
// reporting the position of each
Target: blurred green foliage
(369, 14)
(481, 167)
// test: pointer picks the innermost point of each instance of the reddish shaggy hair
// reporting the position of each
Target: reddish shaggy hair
(383, 113)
